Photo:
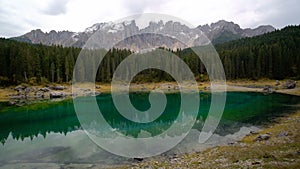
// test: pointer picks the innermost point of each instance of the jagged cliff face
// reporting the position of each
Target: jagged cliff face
(53, 37)
(170, 35)
(223, 31)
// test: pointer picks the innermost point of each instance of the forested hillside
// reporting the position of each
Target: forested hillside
(23, 62)
(274, 55)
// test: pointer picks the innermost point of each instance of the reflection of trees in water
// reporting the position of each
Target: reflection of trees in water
(43, 127)
(42, 118)
(242, 109)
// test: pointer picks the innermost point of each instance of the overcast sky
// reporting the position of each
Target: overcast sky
(20, 16)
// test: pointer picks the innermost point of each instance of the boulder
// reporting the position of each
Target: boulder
(57, 87)
(28, 90)
(45, 89)
(20, 88)
(138, 159)
(93, 93)
(277, 83)
(56, 95)
(267, 89)
(282, 134)
(253, 132)
(262, 137)
(289, 84)
(39, 95)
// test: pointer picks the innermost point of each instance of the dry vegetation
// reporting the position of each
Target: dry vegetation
(282, 150)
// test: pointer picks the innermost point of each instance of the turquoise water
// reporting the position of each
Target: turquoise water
(50, 131)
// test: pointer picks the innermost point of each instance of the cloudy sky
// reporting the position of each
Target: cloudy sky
(20, 16)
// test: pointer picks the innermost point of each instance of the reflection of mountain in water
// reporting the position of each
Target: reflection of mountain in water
(242, 109)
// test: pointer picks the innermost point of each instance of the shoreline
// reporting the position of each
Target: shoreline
(10, 93)
(281, 149)
(232, 154)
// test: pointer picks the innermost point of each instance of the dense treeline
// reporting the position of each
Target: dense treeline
(275, 55)
(23, 62)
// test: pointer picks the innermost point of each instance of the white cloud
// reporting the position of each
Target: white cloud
(18, 17)
(56, 7)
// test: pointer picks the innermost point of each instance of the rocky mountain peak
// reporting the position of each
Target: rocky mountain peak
(110, 32)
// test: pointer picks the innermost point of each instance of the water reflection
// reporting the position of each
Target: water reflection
(241, 109)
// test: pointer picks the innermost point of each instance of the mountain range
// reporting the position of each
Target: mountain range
(151, 36)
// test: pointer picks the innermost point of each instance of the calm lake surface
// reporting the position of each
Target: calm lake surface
(49, 132)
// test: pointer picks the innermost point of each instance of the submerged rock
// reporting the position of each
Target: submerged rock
(11, 103)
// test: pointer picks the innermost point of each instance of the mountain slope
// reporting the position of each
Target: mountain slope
(274, 55)
(109, 33)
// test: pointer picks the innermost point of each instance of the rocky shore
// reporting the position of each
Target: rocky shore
(22, 94)
(275, 146)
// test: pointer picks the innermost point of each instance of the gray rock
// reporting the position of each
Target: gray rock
(138, 159)
(253, 132)
(255, 163)
(176, 87)
(289, 84)
(262, 137)
(267, 89)
(57, 87)
(39, 96)
(231, 143)
(20, 88)
(92, 93)
(56, 94)
(28, 90)
(18, 97)
(45, 89)
(282, 134)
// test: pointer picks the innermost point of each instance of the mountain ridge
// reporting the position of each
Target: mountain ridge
(109, 32)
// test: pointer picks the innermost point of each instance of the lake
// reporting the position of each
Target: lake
(50, 132)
